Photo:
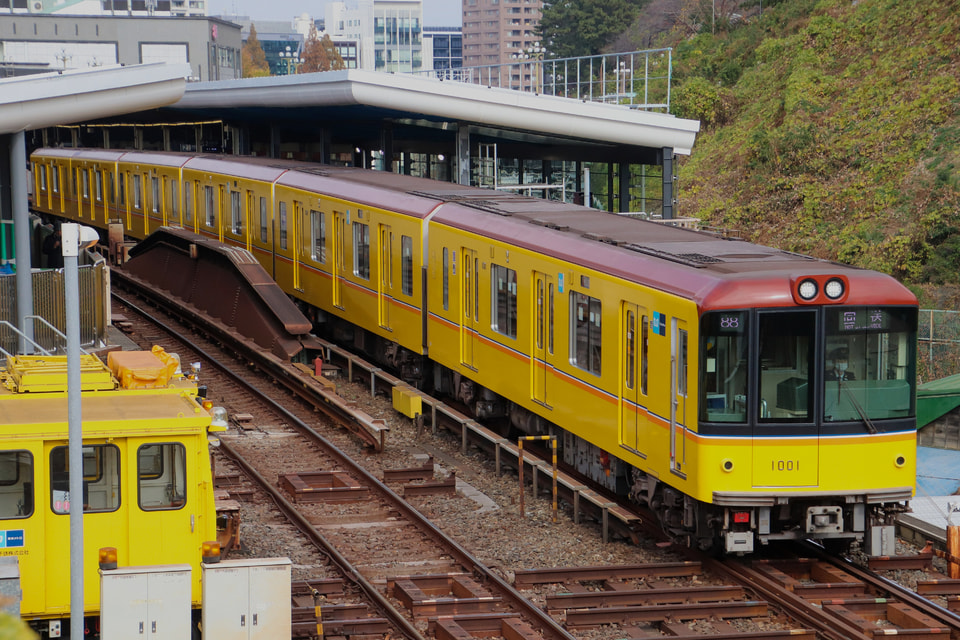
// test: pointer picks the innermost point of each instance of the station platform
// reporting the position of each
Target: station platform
(938, 480)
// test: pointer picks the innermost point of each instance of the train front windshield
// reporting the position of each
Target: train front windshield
(763, 366)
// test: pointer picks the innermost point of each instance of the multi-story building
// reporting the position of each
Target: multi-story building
(398, 35)
(499, 31)
(442, 48)
(139, 8)
(58, 42)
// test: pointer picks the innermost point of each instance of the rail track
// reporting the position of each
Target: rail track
(418, 581)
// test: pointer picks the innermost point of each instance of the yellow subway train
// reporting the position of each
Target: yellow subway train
(147, 484)
(700, 375)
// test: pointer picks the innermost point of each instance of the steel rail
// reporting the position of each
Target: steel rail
(545, 624)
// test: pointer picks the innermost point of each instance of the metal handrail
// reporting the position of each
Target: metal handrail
(639, 79)
(24, 337)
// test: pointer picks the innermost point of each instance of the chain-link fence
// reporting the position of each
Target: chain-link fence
(938, 344)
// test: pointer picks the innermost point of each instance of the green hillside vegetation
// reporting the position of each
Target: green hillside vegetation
(831, 128)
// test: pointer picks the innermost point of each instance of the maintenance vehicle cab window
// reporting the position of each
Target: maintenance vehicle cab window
(101, 479)
(16, 484)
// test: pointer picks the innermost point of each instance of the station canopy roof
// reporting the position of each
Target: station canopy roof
(342, 98)
(49, 99)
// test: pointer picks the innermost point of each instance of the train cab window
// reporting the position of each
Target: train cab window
(263, 219)
(585, 344)
(869, 363)
(101, 479)
(786, 371)
(162, 476)
(361, 250)
(16, 484)
(282, 209)
(504, 303)
(210, 202)
(406, 265)
(318, 236)
(187, 202)
(99, 186)
(446, 279)
(137, 191)
(723, 366)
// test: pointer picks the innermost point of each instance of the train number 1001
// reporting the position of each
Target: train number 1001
(785, 465)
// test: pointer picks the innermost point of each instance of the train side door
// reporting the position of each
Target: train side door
(339, 231)
(385, 278)
(678, 392)
(470, 296)
(543, 335)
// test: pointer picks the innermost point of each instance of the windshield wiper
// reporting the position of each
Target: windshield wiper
(856, 405)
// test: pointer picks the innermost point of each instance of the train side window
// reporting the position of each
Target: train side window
(16, 484)
(42, 174)
(446, 279)
(236, 213)
(550, 317)
(101, 479)
(85, 180)
(318, 236)
(406, 264)
(586, 345)
(110, 190)
(99, 186)
(682, 363)
(644, 344)
(137, 191)
(629, 370)
(504, 301)
(210, 213)
(187, 202)
(55, 176)
(73, 182)
(155, 191)
(162, 476)
(174, 199)
(361, 250)
(263, 219)
(283, 224)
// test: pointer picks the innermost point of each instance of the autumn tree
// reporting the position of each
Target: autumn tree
(253, 59)
(320, 54)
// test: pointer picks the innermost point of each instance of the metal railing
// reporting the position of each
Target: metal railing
(938, 344)
(640, 79)
(49, 321)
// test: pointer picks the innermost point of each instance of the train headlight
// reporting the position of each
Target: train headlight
(726, 464)
(108, 558)
(808, 289)
(219, 417)
(834, 288)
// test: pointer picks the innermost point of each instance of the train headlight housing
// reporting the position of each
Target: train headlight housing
(900, 461)
(108, 558)
(808, 289)
(834, 288)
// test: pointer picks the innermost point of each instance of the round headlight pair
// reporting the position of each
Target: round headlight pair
(808, 289)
